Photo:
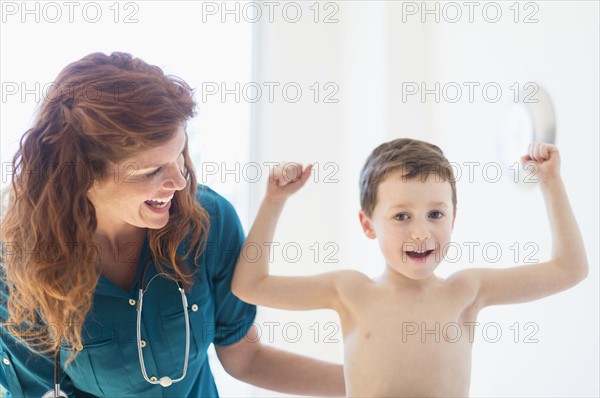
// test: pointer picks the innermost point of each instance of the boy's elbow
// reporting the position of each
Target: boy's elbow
(582, 270)
(582, 273)
(239, 294)
(237, 288)
(578, 274)
(241, 290)
(247, 286)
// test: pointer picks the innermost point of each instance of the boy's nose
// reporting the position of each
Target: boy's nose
(419, 233)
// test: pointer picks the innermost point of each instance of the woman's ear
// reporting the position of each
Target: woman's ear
(367, 225)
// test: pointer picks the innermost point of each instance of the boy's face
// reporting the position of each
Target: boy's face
(413, 221)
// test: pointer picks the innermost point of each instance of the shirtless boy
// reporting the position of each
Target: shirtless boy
(408, 203)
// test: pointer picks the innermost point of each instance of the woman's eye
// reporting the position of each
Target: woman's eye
(154, 173)
(436, 214)
(401, 217)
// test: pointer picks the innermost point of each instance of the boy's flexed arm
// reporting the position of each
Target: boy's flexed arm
(568, 264)
(252, 282)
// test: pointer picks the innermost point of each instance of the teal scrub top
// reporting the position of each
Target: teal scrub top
(108, 365)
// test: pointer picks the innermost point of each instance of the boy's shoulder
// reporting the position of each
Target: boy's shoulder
(466, 278)
(351, 281)
(353, 276)
(466, 283)
(351, 287)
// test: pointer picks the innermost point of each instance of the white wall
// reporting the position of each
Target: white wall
(370, 53)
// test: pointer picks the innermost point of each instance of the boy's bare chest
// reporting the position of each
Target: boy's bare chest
(437, 310)
(417, 324)
(401, 340)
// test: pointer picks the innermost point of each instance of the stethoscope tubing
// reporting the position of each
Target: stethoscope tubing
(57, 392)
(163, 381)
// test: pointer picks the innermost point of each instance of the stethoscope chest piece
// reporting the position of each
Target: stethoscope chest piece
(52, 394)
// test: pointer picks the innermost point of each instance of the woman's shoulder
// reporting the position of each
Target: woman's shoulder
(225, 228)
(215, 205)
(225, 234)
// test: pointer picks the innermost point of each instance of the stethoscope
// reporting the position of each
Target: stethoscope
(56, 392)
(164, 381)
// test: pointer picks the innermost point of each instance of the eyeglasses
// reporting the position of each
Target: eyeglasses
(164, 381)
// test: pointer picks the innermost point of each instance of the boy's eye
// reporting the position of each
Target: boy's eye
(401, 217)
(436, 214)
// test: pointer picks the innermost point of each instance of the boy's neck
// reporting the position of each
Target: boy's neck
(396, 279)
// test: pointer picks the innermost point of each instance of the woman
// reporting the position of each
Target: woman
(104, 202)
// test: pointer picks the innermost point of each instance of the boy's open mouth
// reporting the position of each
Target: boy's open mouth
(419, 255)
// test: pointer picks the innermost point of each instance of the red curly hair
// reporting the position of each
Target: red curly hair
(101, 109)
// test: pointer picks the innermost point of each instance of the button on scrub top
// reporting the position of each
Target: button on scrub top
(108, 365)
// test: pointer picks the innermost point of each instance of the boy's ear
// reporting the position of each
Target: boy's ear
(453, 219)
(367, 225)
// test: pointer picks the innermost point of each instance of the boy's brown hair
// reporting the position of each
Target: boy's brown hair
(412, 157)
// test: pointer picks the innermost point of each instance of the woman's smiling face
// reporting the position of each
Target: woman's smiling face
(137, 192)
